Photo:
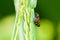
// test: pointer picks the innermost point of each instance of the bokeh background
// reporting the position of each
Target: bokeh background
(49, 11)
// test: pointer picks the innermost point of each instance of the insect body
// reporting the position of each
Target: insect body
(37, 20)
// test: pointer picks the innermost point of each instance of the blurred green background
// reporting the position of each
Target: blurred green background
(49, 11)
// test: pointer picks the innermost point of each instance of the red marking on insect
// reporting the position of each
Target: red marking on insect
(37, 20)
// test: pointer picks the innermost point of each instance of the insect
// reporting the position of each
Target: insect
(37, 20)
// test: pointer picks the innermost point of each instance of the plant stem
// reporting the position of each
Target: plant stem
(24, 24)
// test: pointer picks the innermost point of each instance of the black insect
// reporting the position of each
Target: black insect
(37, 20)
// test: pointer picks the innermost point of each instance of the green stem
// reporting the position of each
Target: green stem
(24, 24)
